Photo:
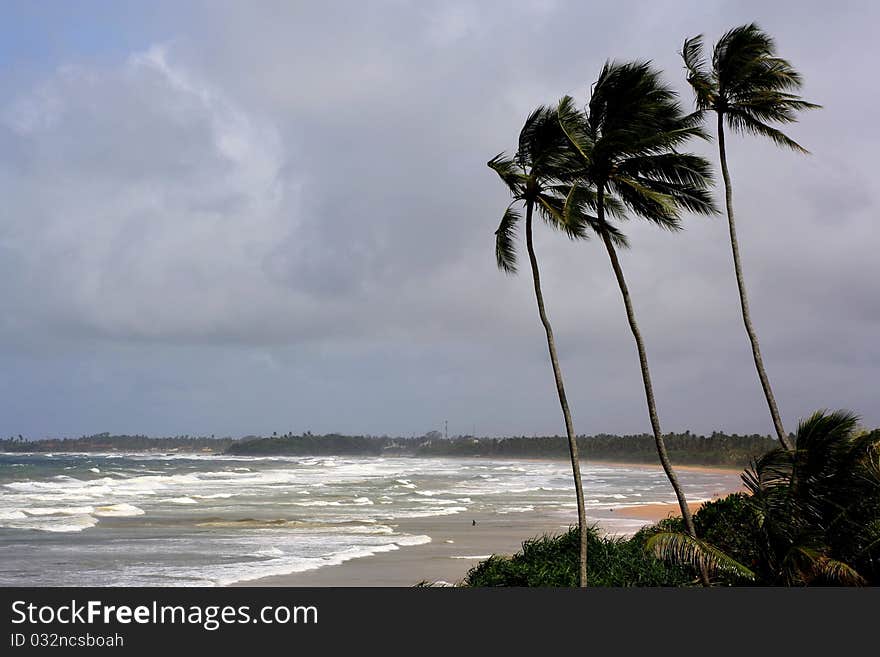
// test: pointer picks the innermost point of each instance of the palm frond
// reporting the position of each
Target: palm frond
(735, 51)
(746, 124)
(678, 168)
(617, 237)
(575, 211)
(573, 124)
(823, 429)
(680, 548)
(540, 143)
(552, 210)
(505, 241)
(770, 470)
(698, 76)
(684, 177)
(657, 207)
(508, 170)
(872, 532)
(814, 563)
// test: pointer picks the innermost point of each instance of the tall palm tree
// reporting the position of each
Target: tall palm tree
(535, 177)
(625, 148)
(748, 87)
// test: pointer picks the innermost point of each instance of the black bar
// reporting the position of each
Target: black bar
(410, 621)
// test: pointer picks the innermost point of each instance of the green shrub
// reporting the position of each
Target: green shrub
(553, 561)
(811, 516)
(732, 524)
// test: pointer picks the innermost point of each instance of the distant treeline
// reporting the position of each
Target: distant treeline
(105, 442)
(684, 448)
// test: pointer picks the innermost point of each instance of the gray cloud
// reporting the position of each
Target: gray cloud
(279, 218)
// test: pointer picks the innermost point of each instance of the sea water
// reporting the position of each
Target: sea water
(203, 520)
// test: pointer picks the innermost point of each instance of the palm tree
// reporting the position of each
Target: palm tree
(748, 87)
(535, 177)
(624, 146)
(812, 512)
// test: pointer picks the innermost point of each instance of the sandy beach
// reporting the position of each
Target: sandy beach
(458, 544)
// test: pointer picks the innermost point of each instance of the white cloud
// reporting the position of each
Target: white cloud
(146, 201)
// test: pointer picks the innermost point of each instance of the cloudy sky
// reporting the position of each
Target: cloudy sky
(239, 218)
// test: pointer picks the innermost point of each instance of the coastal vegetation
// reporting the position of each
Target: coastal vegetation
(809, 517)
(553, 561)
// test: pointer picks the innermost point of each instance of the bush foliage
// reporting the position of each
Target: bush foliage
(553, 561)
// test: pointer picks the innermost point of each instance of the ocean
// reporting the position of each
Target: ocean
(211, 520)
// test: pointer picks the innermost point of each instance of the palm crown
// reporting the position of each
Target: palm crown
(624, 148)
(536, 175)
(746, 83)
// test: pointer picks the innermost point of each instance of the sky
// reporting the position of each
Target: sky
(237, 218)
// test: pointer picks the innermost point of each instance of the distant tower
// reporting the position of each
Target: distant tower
(446, 429)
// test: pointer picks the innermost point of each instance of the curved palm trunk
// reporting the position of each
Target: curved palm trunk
(649, 387)
(563, 402)
(743, 299)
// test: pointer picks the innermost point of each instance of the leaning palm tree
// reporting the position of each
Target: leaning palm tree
(535, 177)
(625, 146)
(748, 87)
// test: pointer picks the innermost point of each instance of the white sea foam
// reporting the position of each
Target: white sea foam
(180, 500)
(61, 511)
(118, 511)
(269, 552)
(516, 509)
(435, 500)
(481, 557)
(225, 576)
(317, 503)
(442, 511)
(60, 524)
